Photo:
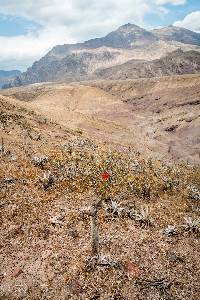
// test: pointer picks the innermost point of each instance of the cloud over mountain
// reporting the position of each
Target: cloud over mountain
(67, 21)
(191, 21)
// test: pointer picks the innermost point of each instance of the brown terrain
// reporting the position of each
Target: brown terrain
(56, 142)
(175, 63)
(100, 179)
(158, 117)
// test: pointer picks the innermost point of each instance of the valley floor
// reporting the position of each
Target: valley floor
(159, 117)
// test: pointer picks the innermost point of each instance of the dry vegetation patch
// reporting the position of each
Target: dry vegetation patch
(146, 247)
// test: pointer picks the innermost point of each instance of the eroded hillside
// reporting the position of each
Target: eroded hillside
(158, 117)
(175, 63)
(53, 177)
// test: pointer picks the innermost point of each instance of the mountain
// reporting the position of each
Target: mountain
(9, 73)
(81, 61)
(126, 36)
(179, 34)
(5, 76)
(175, 63)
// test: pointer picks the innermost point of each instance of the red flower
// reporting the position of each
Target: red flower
(132, 270)
(105, 176)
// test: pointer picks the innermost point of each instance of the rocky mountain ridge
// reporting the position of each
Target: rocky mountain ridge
(75, 62)
(173, 33)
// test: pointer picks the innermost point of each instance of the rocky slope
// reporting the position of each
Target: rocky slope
(79, 61)
(177, 62)
(173, 33)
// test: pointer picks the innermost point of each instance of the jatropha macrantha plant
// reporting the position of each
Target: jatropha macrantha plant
(96, 258)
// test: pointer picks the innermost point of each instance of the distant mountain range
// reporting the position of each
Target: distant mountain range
(130, 51)
(5, 76)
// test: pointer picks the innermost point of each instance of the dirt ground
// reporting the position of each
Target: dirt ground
(51, 175)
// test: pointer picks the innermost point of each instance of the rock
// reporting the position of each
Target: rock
(173, 257)
(47, 180)
(171, 128)
(16, 272)
(57, 219)
(13, 157)
(73, 233)
(14, 230)
(9, 180)
(34, 135)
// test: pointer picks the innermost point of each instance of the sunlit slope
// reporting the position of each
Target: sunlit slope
(159, 117)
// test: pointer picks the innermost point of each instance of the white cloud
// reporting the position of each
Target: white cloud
(191, 21)
(72, 12)
(173, 2)
(21, 51)
(65, 21)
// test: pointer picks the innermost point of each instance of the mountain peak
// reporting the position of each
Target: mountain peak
(128, 28)
(129, 36)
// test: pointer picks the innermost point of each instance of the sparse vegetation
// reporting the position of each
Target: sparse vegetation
(170, 230)
(83, 220)
(193, 192)
(40, 160)
(191, 224)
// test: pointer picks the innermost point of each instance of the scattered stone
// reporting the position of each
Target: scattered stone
(193, 192)
(13, 157)
(16, 272)
(173, 257)
(57, 220)
(191, 224)
(80, 143)
(171, 128)
(34, 135)
(9, 180)
(73, 233)
(3, 151)
(162, 284)
(14, 230)
(47, 180)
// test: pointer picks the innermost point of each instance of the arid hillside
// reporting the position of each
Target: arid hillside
(159, 117)
(175, 63)
(81, 219)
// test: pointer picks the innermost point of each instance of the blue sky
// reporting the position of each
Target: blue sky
(16, 26)
(175, 13)
(29, 29)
